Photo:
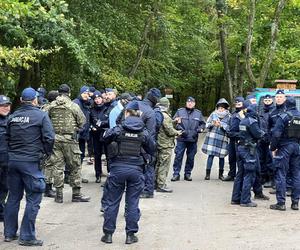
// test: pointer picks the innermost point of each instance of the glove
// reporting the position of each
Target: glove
(98, 123)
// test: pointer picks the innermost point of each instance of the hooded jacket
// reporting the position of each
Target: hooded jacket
(85, 108)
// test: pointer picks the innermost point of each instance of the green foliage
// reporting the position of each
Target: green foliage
(98, 42)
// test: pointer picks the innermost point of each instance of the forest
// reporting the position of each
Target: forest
(202, 48)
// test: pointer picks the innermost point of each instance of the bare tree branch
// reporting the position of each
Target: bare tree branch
(273, 43)
(222, 34)
(249, 41)
(143, 45)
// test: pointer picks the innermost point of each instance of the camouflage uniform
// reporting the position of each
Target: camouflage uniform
(67, 119)
(165, 143)
(47, 167)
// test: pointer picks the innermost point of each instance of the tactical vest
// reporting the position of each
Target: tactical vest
(127, 144)
(293, 128)
(63, 120)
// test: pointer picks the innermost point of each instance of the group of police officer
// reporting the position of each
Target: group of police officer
(135, 135)
(265, 145)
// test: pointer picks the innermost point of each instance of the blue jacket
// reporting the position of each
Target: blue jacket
(133, 125)
(234, 122)
(264, 119)
(192, 123)
(279, 136)
(3, 128)
(148, 116)
(159, 118)
(249, 128)
(274, 114)
(114, 114)
(85, 108)
(30, 134)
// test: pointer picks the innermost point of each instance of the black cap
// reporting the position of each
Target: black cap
(268, 96)
(64, 88)
(280, 92)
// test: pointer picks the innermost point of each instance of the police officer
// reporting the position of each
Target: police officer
(83, 101)
(191, 122)
(5, 105)
(67, 120)
(233, 131)
(264, 152)
(30, 139)
(98, 125)
(248, 166)
(149, 117)
(251, 98)
(42, 100)
(286, 153)
(279, 108)
(126, 171)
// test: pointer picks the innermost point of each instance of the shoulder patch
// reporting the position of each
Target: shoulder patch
(283, 116)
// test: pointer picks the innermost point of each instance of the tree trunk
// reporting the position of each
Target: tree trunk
(238, 76)
(273, 43)
(220, 4)
(144, 44)
(249, 41)
(259, 82)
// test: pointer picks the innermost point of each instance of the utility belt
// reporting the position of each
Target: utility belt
(120, 164)
(248, 144)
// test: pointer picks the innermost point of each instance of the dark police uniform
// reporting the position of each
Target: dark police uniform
(99, 123)
(84, 133)
(248, 164)
(30, 136)
(192, 123)
(263, 148)
(287, 156)
(152, 120)
(126, 171)
(233, 131)
(3, 165)
(3, 157)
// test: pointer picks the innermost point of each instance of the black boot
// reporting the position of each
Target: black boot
(131, 238)
(107, 238)
(280, 207)
(77, 196)
(30, 243)
(59, 198)
(294, 206)
(49, 192)
(207, 176)
(221, 177)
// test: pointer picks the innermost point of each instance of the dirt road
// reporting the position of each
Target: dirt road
(198, 215)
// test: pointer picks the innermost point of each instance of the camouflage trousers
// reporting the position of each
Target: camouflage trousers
(48, 171)
(66, 153)
(162, 166)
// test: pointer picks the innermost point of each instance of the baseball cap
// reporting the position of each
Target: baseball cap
(29, 94)
(4, 100)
